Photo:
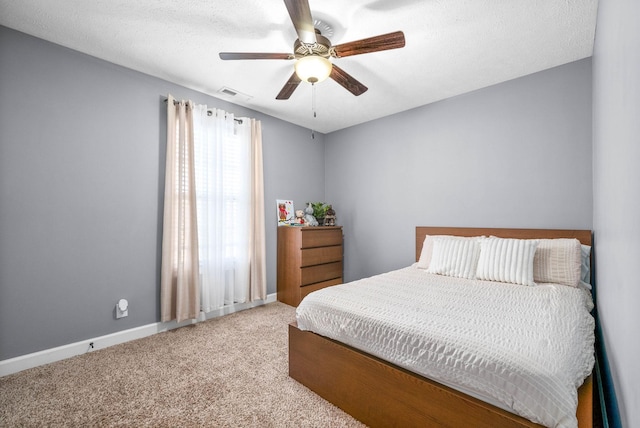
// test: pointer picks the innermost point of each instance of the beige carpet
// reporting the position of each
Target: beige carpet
(226, 372)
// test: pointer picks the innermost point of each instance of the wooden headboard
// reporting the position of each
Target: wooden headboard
(584, 236)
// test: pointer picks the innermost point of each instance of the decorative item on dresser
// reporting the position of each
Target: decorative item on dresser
(309, 259)
(319, 211)
(330, 217)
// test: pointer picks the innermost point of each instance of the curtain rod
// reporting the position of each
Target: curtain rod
(209, 112)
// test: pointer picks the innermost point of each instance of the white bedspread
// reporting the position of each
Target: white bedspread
(526, 348)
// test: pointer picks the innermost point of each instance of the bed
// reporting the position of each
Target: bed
(380, 393)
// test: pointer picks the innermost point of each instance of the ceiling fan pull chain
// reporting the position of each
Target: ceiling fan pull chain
(313, 107)
(313, 99)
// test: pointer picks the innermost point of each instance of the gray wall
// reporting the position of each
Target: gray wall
(516, 154)
(81, 179)
(81, 161)
(616, 189)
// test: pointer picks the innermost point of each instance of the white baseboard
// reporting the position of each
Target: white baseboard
(23, 362)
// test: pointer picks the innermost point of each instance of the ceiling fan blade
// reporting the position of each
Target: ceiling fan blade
(254, 55)
(372, 44)
(300, 14)
(289, 87)
(347, 81)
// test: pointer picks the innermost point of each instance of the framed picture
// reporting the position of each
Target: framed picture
(286, 214)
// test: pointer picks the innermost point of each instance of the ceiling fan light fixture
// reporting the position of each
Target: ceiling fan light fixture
(313, 68)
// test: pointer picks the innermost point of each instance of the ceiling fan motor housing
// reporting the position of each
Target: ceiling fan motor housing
(322, 47)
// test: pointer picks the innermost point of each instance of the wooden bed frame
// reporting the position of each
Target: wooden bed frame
(381, 394)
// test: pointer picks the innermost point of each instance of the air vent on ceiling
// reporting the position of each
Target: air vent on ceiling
(232, 93)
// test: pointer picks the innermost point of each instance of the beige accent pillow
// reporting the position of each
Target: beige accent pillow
(558, 261)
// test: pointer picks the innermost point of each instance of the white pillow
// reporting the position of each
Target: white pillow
(427, 248)
(455, 257)
(425, 253)
(507, 260)
(585, 266)
(558, 261)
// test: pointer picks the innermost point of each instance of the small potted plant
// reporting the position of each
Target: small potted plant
(319, 211)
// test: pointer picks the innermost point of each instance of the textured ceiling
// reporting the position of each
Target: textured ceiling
(452, 46)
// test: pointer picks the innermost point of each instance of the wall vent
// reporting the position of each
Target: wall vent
(226, 92)
(229, 92)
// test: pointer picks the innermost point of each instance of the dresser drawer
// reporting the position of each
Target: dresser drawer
(319, 273)
(319, 237)
(320, 255)
(318, 286)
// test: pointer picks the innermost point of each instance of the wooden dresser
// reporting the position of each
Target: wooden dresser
(309, 258)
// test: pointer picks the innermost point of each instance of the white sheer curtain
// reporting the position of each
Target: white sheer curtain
(223, 193)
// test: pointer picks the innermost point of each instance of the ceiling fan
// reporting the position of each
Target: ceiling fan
(312, 52)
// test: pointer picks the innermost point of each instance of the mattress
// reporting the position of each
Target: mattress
(527, 349)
